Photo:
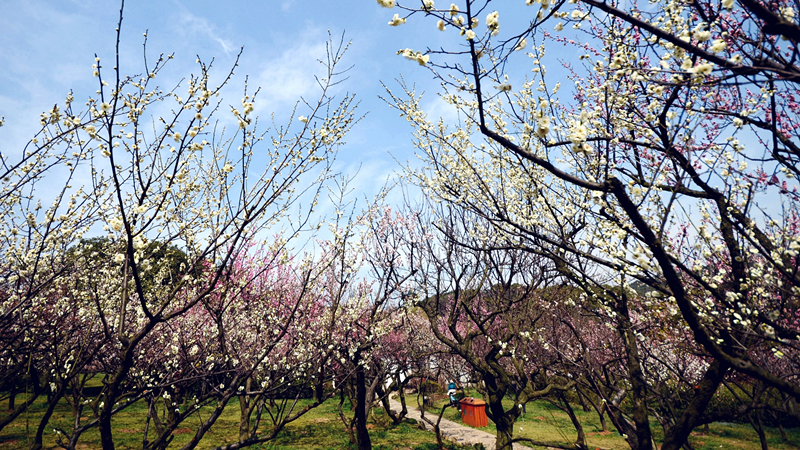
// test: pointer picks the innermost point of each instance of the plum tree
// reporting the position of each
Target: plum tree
(161, 172)
(673, 150)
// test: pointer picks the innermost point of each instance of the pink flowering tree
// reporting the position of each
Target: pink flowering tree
(249, 342)
(411, 353)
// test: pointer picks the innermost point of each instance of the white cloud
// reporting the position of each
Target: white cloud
(286, 77)
(286, 5)
(436, 108)
(193, 25)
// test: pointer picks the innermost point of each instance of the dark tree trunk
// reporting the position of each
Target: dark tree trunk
(759, 427)
(599, 408)
(580, 441)
(601, 414)
(784, 437)
(396, 417)
(12, 397)
(435, 425)
(360, 417)
(504, 421)
(582, 401)
(404, 408)
(150, 407)
(676, 436)
(31, 397)
(51, 406)
(644, 437)
(348, 424)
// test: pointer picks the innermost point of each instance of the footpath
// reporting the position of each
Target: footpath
(452, 431)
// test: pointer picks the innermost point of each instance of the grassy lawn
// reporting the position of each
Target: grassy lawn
(319, 429)
(545, 422)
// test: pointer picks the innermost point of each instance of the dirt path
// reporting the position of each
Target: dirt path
(453, 431)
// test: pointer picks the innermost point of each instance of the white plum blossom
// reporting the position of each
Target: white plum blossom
(116, 224)
(579, 15)
(718, 46)
(702, 69)
(493, 22)
(420, 58)
(397, 20)
(543, 127)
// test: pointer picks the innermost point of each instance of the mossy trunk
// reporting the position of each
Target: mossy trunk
(12, 397)
(247, 404)
(505, 434)
(348, 424)
(580, 441)
(678, 434)
(644, 437)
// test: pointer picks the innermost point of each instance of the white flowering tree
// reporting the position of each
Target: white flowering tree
(151, 169)
(670, 161)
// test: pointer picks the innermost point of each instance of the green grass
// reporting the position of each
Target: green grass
(545, 422)
(319, 429)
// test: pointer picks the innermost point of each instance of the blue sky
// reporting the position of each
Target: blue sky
(48, 48)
